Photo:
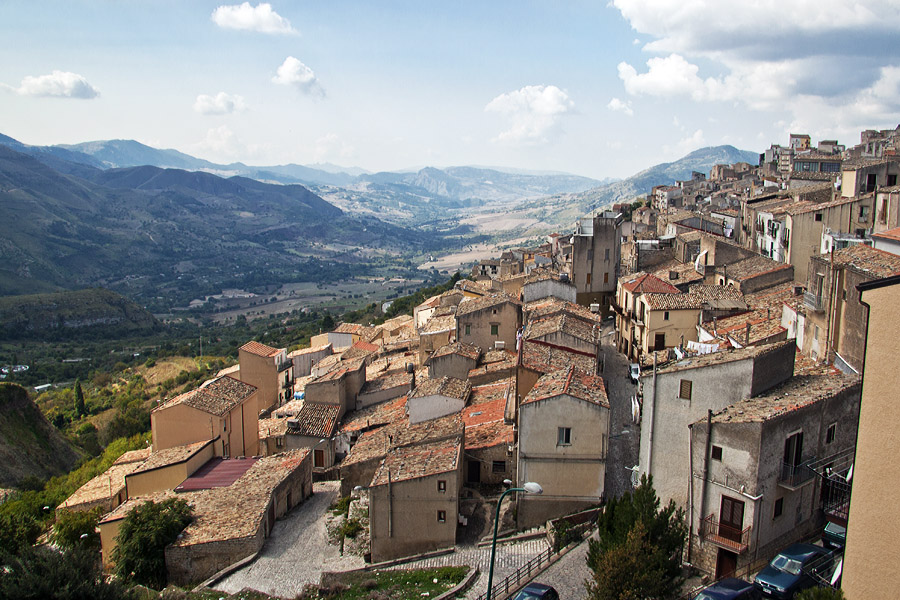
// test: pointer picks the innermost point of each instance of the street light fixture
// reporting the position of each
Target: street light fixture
(529, 488)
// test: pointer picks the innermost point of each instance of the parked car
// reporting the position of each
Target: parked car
(793, 569)
(634, 371)
(834, 537)
(537, 591)
(730, 588)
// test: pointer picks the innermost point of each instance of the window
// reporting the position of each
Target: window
(607, 254)
(816, 333)
(590, 254)
(891, 180)
(717, 453)
(495, 329)
(779, 508)
(279, 442)
(684, 390)
(468, 329)
(587, 279)
(829, 433)
(666, 316)
(442, 516)
(863, 214)
(818, 217)
(606, 278)
(498, 466)
(563, 436)
(442, 485)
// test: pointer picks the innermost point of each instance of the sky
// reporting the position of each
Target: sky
(601, 89)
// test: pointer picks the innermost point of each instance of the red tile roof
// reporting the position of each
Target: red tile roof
(571, 382)
(890, 234)
(259, 349)
(217, 472)
(645, 282)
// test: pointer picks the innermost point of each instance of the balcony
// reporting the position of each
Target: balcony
(795, 476)
(724, 536)
(285, 366)
(836, 500)
(814, 301)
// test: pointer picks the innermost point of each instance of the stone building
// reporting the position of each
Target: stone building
(269, 370)
(485, 321)
(596, 254)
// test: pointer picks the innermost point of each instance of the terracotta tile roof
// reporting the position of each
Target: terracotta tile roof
(868, 260)
(805, 207)
(754, 266)
(171, 456)
(710, 293)
(393, 411)
(862, 162)
(315, 419)
(471, 287)
(473, 305)
(360, 349)
(890, 234)
(672, 301)
(272, 427)
(387, 381)
(312, 350)
(104, 487)
(216, 397)
(439, 324)
(686, 273)
(412, 462)
(798, 392)
(547, 307)
(545, 274)
(642, 283)
(495, 361)
(450, 387)
(690, 236)
(259, 349)
(342, 368)
(571, 382)
(720, 357)
(563, 323)
(461, 348)
(375, 443)
(352, 328)
(484, 417)
(813, 175)
(546, 359)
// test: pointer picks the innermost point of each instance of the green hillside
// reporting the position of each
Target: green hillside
(29, 445)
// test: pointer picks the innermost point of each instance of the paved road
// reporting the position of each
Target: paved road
(625, 436)
(297, 552)
(569, 573)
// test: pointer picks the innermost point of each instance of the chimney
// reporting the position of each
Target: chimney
(411, 369)
(747, 343)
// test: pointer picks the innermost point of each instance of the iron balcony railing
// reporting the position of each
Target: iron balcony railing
(724, 535)
(795, 475)
(813, 301)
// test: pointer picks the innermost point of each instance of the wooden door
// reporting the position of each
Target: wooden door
(731, 519)
(726, 564)
(474, 471)
(319, 459)
(659, 343)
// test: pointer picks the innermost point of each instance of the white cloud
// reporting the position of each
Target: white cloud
(829, 64)
(533, 112)
(617, 105)
(330, 147)
(260, 18)
(220, 104)
(687, 144)
(295, 73)
(58, 84)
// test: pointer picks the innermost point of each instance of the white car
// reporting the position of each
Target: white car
(634, 372)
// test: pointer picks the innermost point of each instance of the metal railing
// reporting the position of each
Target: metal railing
(724, 535)
(795, 475)
(813, 301)
(503, 589)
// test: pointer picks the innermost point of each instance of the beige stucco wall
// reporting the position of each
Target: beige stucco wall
(567, 473)
(680, 323)
(108, 533)
(413, 527)
(506, 316)
(872, 552)
(169, 477)
(180, 424)
(260, 371)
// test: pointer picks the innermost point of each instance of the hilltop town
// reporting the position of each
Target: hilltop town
(713, 335)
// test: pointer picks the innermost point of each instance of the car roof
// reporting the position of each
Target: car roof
(537, 587)
(803, 550)
(726, 588)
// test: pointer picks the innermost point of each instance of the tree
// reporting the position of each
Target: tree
(79, 400)
(635, 522)
(77, 528)
(43, 572)
(139, 554)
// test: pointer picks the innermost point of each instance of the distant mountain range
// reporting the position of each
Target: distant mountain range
(169, 235)
(563, 209)
(164, 227)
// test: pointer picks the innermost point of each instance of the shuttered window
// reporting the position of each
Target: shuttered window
(684, 390)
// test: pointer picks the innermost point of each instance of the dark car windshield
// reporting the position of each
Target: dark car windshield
(787, 564)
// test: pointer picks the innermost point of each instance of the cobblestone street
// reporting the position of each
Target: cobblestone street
(625, 436)
(568, 574)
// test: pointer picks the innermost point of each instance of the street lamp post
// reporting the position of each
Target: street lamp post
(528, 488)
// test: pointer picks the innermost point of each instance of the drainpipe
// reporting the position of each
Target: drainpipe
(830, 308)
(390, 507)
(690, 492)
(706, 463)
(652, 417)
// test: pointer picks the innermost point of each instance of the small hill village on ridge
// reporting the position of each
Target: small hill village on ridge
(750, 302)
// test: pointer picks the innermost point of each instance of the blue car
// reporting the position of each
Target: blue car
(537, 591)
(792, 571)
(730, 589)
